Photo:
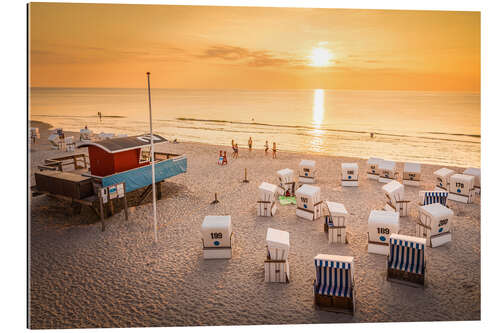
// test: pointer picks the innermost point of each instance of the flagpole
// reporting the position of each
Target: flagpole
(153, 183)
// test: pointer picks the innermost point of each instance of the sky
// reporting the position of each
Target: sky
(196, 47)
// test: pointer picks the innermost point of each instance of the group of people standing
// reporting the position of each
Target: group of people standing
(250, 144)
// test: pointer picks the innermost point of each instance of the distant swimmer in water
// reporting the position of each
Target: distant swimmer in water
(371, 135)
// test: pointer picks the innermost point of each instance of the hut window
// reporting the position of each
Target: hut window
(145, 155)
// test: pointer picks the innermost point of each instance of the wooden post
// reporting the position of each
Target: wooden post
(125, 205)
(245, 180)
(215, 201)
(101, 210)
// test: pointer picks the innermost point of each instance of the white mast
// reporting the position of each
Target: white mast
(153, 183)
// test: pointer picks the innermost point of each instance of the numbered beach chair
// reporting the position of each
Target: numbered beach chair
(443, 178)
(349, 174)
(217, 236)
(411, 174)
(307, 172)
(373, 171)
(461, 188)
(334, 283)
(406, 260)
(308, 202)
(276, 267)
(381, 224)
(266, 205)
(387, 171)
(434, 224)
(335, 222)
(476, 172)
(396, 202)
(286, 179)
(430, 197)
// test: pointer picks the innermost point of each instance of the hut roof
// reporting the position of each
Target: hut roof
(117, 145)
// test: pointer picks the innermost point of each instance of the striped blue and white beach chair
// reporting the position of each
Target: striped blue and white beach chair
(334, 284)
(430, 197)
(406, 259)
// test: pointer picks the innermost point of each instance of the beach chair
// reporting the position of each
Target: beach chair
(217, 235)
(406, 260)
(307, 171)
(308, 202)
(411, 174)
(381, 224)
(334, 284)
(476, 172)
(85, 135)
(34, 134)
(443, 178)
(434, 224)
(335, 222)
(276, 267)
(373, 171)
(349, 174)
(287, 182)
(268, 194)
(387, 171)
(69, 143)
(461, 188)
(396, 202)
(54, 141)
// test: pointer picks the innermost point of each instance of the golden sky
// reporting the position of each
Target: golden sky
(188, 47)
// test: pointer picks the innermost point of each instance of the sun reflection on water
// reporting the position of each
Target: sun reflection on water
(316, 141)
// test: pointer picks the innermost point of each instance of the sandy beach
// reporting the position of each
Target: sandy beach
(81, 277)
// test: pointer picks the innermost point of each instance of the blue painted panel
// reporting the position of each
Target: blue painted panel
(141, 177)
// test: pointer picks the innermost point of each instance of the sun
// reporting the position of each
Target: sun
(320, 57)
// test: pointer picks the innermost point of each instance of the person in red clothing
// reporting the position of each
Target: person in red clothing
(224, 158)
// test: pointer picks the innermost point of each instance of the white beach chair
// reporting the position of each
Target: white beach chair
(461, 188)
(266, 205)
(349, 174)
(104, 136)
(395, 193)
(308, 202)
(406, 259)
(387, 171)
(34, 134)
(476, 172)
(443, 178)
(381, 224)
(276, 267)
(217, 235)
(435, 224)
(412, 174)
(69, 143)
(85, 135)
(373, 171)
(287, 182)
(334, 284)
(335, 222)
(307, 171)
(54, 141)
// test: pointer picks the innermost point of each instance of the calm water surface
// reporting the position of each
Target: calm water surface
(428, 127)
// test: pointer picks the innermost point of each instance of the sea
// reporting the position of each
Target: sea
(407, 126)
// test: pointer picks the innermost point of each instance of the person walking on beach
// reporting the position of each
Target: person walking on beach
(219, 161)
(250, 144)
(274, 150)
(235, 151)
(266, 147)
(99, 115)
(232, 143)
(224, 158)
